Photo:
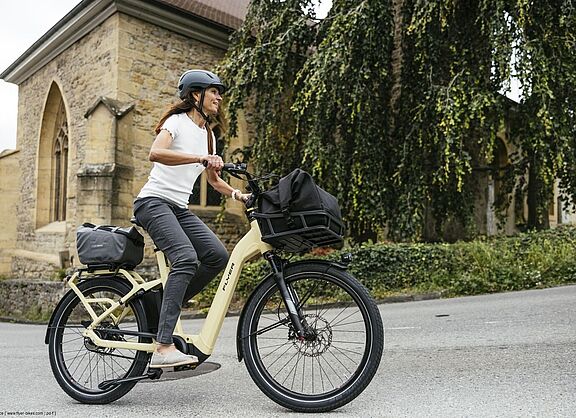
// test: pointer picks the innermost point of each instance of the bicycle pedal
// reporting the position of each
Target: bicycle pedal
(185, 367)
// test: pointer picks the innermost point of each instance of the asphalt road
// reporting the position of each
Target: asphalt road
(506, 355)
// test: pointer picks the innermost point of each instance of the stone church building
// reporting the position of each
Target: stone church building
(90, 93)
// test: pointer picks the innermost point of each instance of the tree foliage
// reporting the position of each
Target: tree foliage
(393, 105)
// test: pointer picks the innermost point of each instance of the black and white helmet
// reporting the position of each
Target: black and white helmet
(196, 80)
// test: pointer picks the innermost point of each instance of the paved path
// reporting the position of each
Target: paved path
(505, 355)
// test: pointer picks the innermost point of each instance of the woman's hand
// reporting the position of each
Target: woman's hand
(245, 196)
(238, 195)
(213, 162)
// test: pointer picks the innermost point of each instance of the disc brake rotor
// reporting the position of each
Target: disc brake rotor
(319, 337)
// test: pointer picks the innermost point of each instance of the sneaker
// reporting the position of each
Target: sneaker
(172, 359)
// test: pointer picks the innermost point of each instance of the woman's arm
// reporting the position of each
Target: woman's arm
(213, 177)
(161, 153)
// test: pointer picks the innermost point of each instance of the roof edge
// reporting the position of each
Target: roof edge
(115, 107)
(7, 152)
(72, 27)
(88, 14)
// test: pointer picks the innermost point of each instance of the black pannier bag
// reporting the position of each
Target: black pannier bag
(297, 215)
(110, 246)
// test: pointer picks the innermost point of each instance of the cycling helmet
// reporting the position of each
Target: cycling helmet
(194, 80)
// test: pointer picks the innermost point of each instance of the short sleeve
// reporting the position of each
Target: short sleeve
(171, 125)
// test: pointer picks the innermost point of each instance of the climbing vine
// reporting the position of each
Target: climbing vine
(395, 105)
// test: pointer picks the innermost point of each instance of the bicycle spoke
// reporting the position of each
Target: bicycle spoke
(80, 362)
(325, 374)
(295, 368)
(341, 323)
(333, 370)
(347, 342)
(273, 338)
(349, 323)
(303, 371)
(339, 361)
(275, 345)
(348, 351)
(279, 357)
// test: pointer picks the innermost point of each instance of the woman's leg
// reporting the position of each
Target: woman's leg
(159, 219)
(211, 252)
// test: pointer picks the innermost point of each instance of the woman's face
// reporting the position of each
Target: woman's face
(212, 101)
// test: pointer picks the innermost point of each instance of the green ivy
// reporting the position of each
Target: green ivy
(529, 260)
(393, 105)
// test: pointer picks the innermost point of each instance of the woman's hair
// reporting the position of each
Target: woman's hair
(181, 107)
(185, 106)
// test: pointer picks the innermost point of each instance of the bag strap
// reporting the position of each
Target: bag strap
(285, 191)
(210, 136)
(136, 238)
(97, 227)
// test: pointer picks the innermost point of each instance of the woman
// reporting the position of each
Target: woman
(183, 149)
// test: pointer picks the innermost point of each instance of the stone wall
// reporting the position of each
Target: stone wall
(25, 300)
(129, 62)
(9, 190)
(81, 73)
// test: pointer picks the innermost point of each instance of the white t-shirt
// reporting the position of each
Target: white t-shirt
(175, 182)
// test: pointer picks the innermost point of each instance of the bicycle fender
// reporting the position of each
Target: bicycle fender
(50, 322)
(326, 263)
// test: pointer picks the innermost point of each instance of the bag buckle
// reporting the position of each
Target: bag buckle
(288, 218)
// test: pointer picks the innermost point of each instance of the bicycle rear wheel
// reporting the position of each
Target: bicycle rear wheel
(341, 354)
(79, 366)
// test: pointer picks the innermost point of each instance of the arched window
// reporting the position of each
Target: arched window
(52, 161)
(59, 167)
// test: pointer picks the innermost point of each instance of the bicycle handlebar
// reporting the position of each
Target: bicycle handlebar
(238, 170)
(240, 167)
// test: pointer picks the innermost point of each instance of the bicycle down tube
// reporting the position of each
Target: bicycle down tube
(249, 246)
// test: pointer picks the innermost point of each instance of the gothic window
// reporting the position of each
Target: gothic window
(52, 161)
(59, 167)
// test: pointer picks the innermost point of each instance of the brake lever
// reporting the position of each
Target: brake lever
(250, 201)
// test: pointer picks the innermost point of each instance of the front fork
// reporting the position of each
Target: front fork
(289, 297)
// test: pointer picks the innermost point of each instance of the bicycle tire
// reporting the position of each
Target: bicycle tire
(326, 316)
(74, 359)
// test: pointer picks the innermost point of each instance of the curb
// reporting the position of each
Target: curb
(191, 314)
(410, 298)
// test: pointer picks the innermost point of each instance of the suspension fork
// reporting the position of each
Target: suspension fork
(289, 297)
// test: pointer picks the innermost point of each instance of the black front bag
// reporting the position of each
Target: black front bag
(110, 246)
(297, 215)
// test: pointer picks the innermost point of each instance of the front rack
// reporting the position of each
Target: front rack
(311, 229)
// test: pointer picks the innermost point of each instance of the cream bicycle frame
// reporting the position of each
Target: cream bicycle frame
(249, 246)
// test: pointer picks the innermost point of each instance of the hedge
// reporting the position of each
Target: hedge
(528, 260)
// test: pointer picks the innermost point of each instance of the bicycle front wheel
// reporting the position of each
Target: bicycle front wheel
(340, 355)
(79, 365)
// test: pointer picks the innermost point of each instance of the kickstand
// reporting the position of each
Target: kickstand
(151, 374)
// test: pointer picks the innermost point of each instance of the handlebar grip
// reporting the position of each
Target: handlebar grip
(229, 166)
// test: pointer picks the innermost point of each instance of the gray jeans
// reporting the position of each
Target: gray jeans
(195, 253)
